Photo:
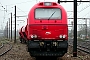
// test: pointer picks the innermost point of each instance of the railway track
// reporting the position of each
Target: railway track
(82, 47)
(4, 48)
(1, 46)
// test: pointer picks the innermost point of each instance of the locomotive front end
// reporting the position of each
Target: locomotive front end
(47, 30)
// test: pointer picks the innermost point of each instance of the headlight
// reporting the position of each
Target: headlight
(33, 36)
(60, 36)
(64, 36)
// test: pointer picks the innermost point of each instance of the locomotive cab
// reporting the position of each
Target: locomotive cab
(47, 30)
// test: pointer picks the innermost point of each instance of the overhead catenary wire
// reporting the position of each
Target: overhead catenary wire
(79, 3)
(22, 10)
(86, 13)
(84, 8)
(72, 11)
(70, 14)
(81, 9)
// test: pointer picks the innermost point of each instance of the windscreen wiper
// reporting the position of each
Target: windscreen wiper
(51, 15)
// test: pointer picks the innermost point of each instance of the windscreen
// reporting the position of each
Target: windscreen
(51, 13)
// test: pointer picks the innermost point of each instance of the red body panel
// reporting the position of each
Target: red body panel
(53, 27)
(51, 32)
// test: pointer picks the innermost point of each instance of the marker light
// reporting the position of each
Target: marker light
(47, 3)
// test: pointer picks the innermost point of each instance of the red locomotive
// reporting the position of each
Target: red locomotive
(47, 30)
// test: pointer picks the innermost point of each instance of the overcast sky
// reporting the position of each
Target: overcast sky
(24, 6)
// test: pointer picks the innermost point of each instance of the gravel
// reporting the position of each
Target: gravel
(18, 52)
